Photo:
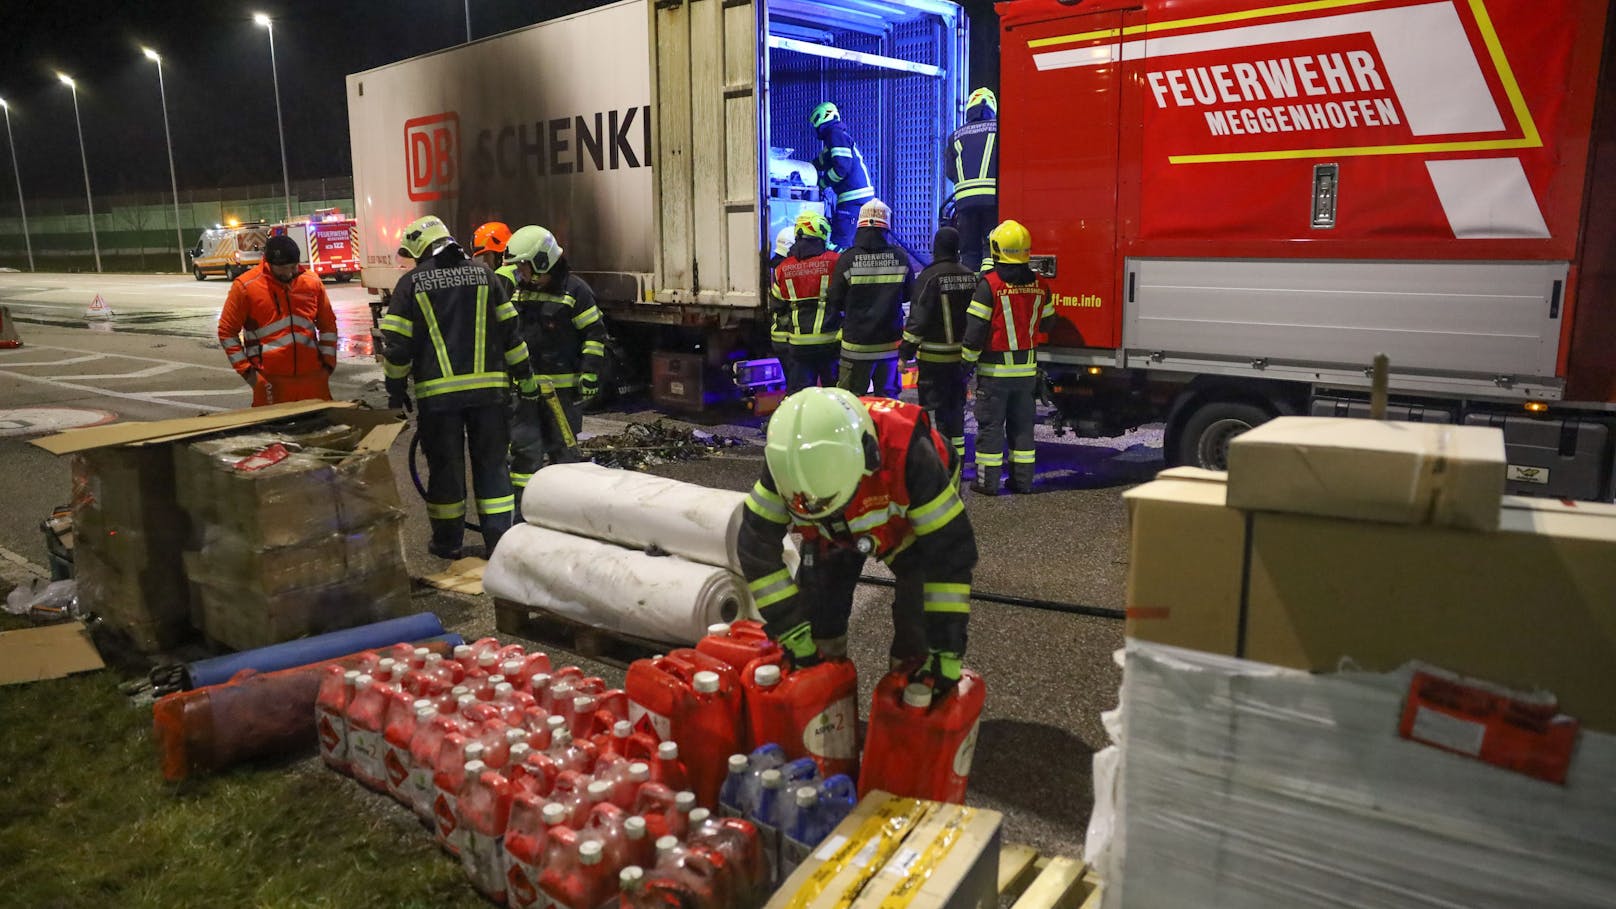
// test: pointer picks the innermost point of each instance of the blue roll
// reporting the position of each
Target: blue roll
(304, 651)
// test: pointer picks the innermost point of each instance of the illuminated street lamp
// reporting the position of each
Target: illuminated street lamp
(84, 161)
(269, 25)
(173, 182)
(17, 169)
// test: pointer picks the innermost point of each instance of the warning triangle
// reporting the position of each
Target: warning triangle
(8, 331)
(98, 309)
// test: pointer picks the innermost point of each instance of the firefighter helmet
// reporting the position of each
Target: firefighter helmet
(423, 237)
(875, 213)
(491, 237)
(819, 445)
(983, 96)
(536, 245)
(813, 224)
(1010, 242)
(823, 114)
(784, 239)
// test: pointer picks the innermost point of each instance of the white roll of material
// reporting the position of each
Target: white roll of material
(664, 598)
(637, 510)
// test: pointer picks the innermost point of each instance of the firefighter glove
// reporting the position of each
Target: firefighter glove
(588, 385)
(799, 645)
(942, 669)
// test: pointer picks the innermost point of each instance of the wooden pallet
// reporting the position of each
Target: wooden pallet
(600, 644)
(1046, 882)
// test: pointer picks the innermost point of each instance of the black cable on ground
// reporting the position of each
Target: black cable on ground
(415, 477)
(1099, 612)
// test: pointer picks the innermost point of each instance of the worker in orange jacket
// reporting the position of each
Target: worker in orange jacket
(278, 329)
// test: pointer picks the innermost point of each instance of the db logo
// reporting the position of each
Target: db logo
(432, 156)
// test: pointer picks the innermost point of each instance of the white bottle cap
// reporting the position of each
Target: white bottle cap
(475, 767)
(562, 689)
(555, 722)
(519, 751)
(773, 780)
(807, 796)
(699, 815)
(496, 680)
(667, 843)
(421, 702)
(363, 682)
(510, 667)
(718, 628)
(459, 691)
(561, 738)
(738, 763)
(433, 659)
(554, 813)
(539, 682)
(622, 729)
(634, 827)
(386, 666)
(767, 676)
(668, 751)
(599, 791)
(630, 877)
(639, 771)
(504, 690)
(583, 703)
(425, 714)
(685, 802)
(706, 682)
(474, 751)
(917, 695)
(514, 735)
(421, 653)
(488, 660)
(462, 651)
(466, 700)
(350, 675)
(589, 852)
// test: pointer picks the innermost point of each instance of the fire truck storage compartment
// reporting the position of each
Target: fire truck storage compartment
(1562, 458)
(1480, 318)
(1359, 410)
(895, 69)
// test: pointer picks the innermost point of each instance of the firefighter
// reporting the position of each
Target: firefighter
(567, 337)
(1009, 310)
(800, 290)
(869, 288)
(860, 477)
(488, 244)
(780, 316)
(841, 171)
(450, 328)
(278, 329)
(971, 163)
(933, 334)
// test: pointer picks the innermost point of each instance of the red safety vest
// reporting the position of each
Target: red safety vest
(801, 283)
(1017, 310)
(879, 509)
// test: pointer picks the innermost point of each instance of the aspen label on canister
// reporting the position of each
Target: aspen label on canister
(832, 733)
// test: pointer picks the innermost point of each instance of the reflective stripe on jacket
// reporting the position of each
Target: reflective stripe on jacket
(1006, 316)
(450, 328)
(278, 329)
(800, 289)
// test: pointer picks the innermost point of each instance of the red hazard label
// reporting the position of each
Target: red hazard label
(1517, 732)
(329, 740)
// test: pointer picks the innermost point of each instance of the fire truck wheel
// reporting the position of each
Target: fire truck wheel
(1209, 430)
(196, 270)
(343, 277)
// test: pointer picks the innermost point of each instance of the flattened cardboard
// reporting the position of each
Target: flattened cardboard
(47, 652)
(1371, 470)
(462, 576)
(137, 433)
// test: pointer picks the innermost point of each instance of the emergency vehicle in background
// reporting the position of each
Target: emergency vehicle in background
(228, 249)
(1239, 204)
(328, 241)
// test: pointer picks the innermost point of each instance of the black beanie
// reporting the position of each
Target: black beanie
(946, 245)
(282, 250)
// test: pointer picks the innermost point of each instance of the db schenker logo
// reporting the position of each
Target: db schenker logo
(432, 156)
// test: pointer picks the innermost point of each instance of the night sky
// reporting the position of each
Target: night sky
(216, 69)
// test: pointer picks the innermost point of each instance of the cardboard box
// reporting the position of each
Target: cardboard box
(1531, 606)
(1371, 470)
(244, 619)
(227, 560)
(925, 855)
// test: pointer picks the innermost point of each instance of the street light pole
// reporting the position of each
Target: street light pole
(173, 181)
(468, 21)
(286, 178)
(84, 161)
(16, 168)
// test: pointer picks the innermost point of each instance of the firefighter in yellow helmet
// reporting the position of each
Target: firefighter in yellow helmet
(860, 478)
(799, 292)
(971, 163)
(1009, 312)
(450, 329)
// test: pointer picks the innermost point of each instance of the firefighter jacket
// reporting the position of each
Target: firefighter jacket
(906, 513)
(799, 290)
(1010, 308)
(936, 325)
(564, 330)
(278, 329)
(971, 160)
(869, 287)
(841, 165)
(450, 327)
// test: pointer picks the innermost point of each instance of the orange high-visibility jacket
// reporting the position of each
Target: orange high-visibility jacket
(280, 330)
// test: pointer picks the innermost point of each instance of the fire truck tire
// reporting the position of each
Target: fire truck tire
(1204, 441)
(196, 270)
(343, 277)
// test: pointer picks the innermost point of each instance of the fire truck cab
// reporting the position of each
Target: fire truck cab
(328, 241)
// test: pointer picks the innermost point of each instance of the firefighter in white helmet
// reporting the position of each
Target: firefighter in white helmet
(870, 287)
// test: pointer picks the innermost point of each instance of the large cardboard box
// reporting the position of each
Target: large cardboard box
(1530, 606)
(1372, 470)
(923, 855)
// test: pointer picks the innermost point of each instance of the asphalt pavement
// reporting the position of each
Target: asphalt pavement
(1049, 674)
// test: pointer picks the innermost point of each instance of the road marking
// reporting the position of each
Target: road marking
(124, 395)
(197, 393)
(8, 364)
(137, 374)
(81, 350)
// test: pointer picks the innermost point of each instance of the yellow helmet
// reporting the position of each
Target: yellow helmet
(420, 237)
(813, 224)
(1010, 242)
(818, 447)
(983, 96)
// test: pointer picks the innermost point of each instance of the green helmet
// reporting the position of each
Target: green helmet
(823, 114)
(983, 96)
(816, 449)
(422, 236)
(813, 224)
(536, 245)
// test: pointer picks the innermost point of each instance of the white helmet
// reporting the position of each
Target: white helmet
(875, 213)
(784, 239)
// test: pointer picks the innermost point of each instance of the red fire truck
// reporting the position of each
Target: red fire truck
(329, 241)
(1239, 204)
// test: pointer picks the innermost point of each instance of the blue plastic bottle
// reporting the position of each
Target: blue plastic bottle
(813, 813)
(764, 757)
(732, 794)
